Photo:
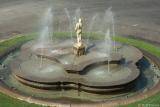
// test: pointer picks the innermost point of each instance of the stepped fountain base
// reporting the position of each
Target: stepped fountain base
(57, 67)
(79, 49)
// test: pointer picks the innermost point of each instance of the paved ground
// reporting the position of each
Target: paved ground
(133, 17)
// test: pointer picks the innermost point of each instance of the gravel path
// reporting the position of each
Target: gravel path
(133, 17)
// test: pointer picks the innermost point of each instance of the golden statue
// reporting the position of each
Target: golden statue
(78, 30)
(79, 48)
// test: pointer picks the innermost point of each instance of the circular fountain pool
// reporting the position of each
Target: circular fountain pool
(25, 74)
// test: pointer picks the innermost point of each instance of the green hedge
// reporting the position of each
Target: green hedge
(140, 44)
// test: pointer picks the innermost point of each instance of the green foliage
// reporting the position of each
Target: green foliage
(91, 35)
(18, 40)
(140, 44)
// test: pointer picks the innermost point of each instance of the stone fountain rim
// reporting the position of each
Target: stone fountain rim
(125, 81)
(133, 75)
(129, 100)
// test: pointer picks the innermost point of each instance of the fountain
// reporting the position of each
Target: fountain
(78, 66)
(63, 64)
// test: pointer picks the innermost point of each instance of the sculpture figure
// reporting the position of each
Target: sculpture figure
(79, 47)
(78, 30)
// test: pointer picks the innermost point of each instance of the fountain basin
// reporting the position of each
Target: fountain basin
(48, 70)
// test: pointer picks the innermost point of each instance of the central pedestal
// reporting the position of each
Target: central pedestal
(79, 49)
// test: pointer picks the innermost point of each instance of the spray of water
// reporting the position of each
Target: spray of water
(91, 24)
(70, 23)
(109, 20)
(46, 33)
(77, 15)
(47, 29)
(108, 43)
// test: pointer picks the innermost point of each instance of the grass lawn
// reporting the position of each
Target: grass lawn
(152, 101)
(140, 44)
(6, 101)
